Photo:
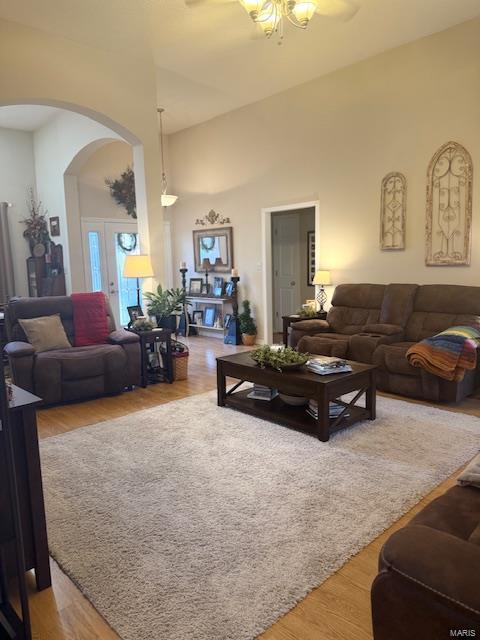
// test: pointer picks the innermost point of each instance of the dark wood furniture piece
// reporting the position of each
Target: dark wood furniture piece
(151, 341)
(23, 426)
(323, 389)
(46, 276)
(288, 320)
(14, 624)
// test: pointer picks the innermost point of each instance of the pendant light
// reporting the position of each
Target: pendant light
(166, 199)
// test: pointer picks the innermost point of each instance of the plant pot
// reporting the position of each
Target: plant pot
(248, 340)
(167, 322)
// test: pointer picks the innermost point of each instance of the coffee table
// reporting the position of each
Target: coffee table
(302, 382)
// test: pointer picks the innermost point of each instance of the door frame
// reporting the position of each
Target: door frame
(267, 262)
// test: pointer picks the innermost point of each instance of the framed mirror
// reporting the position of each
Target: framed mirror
(216, 245)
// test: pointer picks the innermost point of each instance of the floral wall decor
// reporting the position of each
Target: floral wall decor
(212, 217)
(449, 206)
(393, 211)
(122, 190)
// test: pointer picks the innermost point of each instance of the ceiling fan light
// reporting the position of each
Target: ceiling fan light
(268, 19)
(168, 200)
(303, 11)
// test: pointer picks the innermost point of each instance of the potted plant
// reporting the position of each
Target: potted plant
(36, 229)
(248, 327)
(165, 305)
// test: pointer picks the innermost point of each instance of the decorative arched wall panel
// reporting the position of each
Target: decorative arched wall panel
(449, 206)
(393, 212)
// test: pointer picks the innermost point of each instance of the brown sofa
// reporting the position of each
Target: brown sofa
(378, 323)
(429, 573)
(68, 375)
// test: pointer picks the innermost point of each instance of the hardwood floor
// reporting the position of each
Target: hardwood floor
(337, 610)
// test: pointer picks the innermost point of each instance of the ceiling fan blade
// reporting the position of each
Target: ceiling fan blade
(197, 3)
(339, 9)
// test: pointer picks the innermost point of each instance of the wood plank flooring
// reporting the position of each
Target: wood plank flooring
(337, 610)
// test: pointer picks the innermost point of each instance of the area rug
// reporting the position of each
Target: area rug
(192, 522)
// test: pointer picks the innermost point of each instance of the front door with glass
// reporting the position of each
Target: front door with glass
(106, 244)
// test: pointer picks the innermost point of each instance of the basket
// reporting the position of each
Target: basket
(180, 363)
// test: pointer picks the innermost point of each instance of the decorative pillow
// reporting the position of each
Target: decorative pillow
(45, 333)
(471, 474)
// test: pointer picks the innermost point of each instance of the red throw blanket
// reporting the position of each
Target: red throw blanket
(90, 323)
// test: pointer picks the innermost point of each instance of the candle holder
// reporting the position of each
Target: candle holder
(234, 335)
(184, 328)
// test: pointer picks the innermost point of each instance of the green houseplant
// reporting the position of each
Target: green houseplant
(248, 328)
(279, 358)
(165, 305)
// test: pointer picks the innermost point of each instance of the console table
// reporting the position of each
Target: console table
(23, 427)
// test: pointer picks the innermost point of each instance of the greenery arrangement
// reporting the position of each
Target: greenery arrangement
(122, 191)
(142, 324)
(36, 231)
(278, 358)
(247, 323)
(165, 302)
(307, 313)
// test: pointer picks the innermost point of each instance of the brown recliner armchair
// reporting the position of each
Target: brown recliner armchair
(428, 581)
(68, 375)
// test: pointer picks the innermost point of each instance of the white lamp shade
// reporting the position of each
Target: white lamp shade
(139, 266)
(322, 277)
(167, 200)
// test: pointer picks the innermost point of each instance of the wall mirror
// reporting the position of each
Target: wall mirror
(216, 245)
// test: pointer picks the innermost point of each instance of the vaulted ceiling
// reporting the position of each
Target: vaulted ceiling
(207, 58)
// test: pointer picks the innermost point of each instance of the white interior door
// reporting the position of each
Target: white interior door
(106, 244)
(286, 266)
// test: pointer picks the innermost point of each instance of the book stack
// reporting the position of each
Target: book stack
(334, 409)
(326, 365)
(260, 392)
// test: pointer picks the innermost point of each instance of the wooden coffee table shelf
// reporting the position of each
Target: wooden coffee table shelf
(324, 389)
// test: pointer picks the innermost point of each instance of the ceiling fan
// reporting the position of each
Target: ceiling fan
(270, 15)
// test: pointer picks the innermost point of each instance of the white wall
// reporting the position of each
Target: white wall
(110, 161)
(333, 140)
(56, 144)
(17, 176)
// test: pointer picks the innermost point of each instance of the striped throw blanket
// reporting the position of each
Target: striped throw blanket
(448, 354)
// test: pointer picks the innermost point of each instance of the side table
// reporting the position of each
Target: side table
(288, 320)
(150, 342)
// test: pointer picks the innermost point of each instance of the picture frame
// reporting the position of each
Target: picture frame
(227, 319)
(209, 315)
(205, 289)
(195, 286)
(134, 312)
(218, 286)
(310, 257)
(229, 289)
(216, 245)
(197, 317)
(54, 223)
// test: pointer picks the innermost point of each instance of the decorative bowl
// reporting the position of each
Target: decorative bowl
(294, 401)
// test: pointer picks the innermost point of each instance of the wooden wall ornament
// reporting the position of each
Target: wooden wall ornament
(449, 206)
(393, 212)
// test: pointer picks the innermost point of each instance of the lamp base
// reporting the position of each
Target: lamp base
(321, 298)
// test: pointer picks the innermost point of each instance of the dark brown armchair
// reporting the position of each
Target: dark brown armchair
(68, 375)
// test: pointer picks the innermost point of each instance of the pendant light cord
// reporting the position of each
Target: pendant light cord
(164, 177)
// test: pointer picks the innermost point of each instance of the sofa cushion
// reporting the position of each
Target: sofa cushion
(321, 345)
(354, 306)
(392, 358)
(397, 304)
(45, 333)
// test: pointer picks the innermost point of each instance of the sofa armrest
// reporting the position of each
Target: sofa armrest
(436, 561)
(122, 336)
(19, 349)
(383, 329)
(313, 325)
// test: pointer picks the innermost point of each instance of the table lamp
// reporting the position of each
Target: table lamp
(139, 266)
(321, 279)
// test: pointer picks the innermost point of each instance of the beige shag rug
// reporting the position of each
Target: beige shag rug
(191, 522)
